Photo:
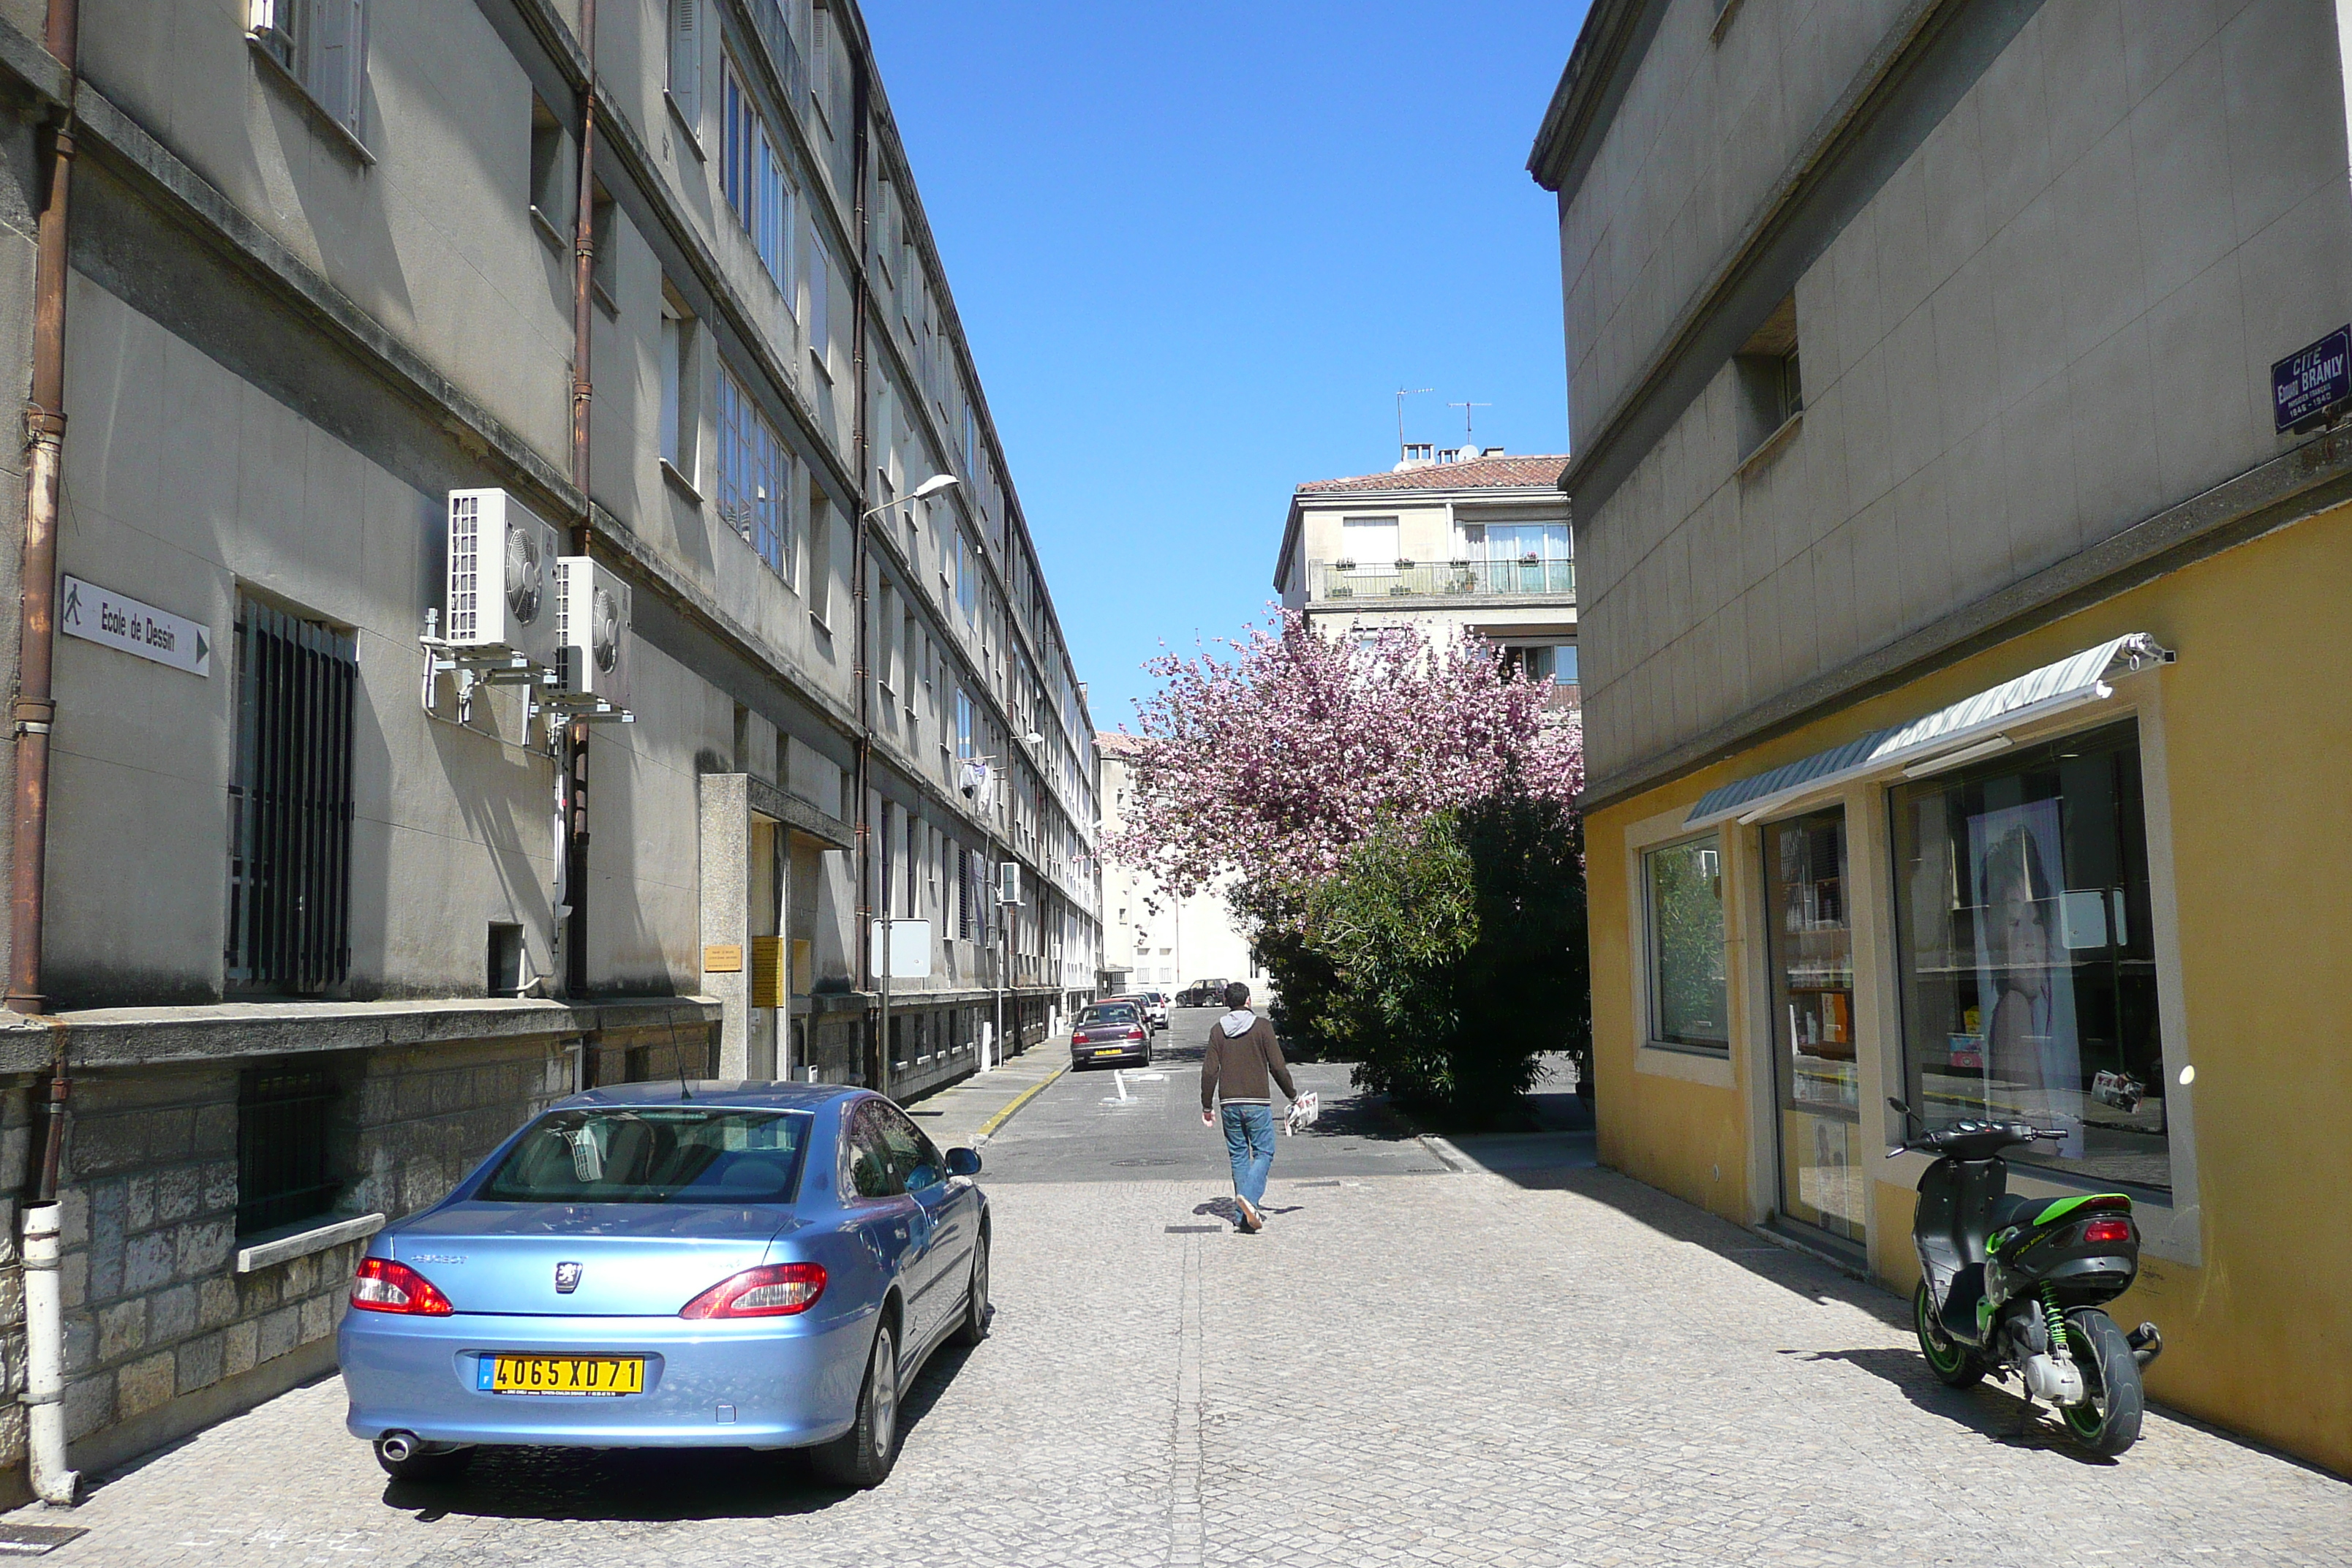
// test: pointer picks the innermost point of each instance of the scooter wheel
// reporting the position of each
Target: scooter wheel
(1955, 1365)
(2107, 1422)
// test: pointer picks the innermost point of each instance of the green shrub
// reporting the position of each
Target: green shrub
(1454, 950)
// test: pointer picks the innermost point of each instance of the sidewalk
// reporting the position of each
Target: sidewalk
(960, 1114)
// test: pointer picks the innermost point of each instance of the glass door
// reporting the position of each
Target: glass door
(1817, 1093)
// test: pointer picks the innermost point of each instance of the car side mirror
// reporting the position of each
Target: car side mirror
(964, 1162)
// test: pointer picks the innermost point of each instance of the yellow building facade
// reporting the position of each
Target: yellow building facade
(1962, 505)
(2244, 756)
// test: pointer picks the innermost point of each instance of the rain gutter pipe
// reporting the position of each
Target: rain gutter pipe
(35, 708)
(572, 759)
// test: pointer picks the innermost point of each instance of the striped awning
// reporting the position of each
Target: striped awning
(1976, 724)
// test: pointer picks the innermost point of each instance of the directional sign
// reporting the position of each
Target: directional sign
(909, 955)
(101, 615)
(2312, 380)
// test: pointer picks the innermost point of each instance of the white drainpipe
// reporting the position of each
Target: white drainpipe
(45, 1355)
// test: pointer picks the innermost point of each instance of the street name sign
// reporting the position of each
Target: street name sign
(101, 615)
(2312, 380)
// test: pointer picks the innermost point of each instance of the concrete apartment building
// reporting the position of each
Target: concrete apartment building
(1961, 513)
(1470, 539)
(1152, 940)
(338, 886)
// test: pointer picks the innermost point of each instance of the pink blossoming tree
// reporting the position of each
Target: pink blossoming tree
(1267, 765)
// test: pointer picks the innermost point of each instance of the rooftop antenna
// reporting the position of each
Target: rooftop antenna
(1403, 393)
(1466, 408)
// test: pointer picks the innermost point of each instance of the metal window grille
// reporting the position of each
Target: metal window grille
(284, 1118)
(290, 803)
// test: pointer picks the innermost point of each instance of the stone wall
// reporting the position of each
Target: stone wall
(163, 1334)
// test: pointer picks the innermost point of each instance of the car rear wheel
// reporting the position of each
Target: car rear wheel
(976, 1308)
(862, 1457)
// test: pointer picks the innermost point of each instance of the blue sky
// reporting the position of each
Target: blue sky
(1198, 248)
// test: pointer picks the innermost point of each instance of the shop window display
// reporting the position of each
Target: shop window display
(1688, 1002)
(1811, 935)
(2029, 966)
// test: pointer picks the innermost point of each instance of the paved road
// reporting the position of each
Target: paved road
(1411, 1366)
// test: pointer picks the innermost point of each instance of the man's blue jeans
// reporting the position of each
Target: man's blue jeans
(1249, 1139)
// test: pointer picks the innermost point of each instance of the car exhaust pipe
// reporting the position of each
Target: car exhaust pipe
(2147, 1344)
(398, 1446)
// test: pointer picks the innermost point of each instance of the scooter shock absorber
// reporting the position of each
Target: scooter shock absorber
(2056, 1320)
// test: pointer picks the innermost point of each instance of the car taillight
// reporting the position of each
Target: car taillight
(772, 1291)
(2107, 1230)
(382, 1286)
(1135, 1033)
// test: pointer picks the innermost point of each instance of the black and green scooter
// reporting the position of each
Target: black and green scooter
(2013, 1285)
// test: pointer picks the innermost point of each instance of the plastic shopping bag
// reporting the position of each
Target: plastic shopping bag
(1303, 1112)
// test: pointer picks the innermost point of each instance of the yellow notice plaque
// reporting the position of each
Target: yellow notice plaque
(590, 1375)
(723, 958)
(768, 972)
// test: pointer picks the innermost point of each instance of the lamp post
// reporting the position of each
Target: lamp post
(924, 491)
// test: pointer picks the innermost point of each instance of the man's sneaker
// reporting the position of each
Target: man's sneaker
(1252, 1221)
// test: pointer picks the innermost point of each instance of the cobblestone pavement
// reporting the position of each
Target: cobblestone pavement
(1456, 1369)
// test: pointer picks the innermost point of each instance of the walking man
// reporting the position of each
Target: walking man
(1242, 1056)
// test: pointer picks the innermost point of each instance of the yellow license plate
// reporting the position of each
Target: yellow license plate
(1114, 1051)
(591, 1375)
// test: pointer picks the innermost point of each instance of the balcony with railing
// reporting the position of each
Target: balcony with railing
(1532, 577)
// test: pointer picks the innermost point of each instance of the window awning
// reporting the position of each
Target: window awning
(1944, 738)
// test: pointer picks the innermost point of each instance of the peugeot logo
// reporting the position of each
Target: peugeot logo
(567, 1278)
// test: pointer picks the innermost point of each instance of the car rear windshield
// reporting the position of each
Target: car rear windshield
(653, 1154)
(1121, 1014)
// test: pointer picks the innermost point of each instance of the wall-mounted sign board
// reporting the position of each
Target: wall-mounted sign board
(908, 956)
(723, 958)
(100, 614)
(2312, 380)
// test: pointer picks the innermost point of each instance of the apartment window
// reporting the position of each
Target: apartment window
(684, 82)
(1554, 664)
(604, 266)
(2028, 961)
(820, 555)
(290, 803)
(962, 895)
(1689, 1006)
(1368, 542)
(970, 439)
(752, 174)
(1769, 378)
(754, 474)
(285, 1123)
(681, 384)
(907, 635)
(964, 725)
(966, 579)
(551, 173)
(322, 44)
(821, 65)
(820, 303)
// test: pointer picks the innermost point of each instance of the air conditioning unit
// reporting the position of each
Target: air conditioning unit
(591, 627)
(1008, 882)
(501, 586)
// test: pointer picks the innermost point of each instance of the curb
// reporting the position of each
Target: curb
(988, 1128)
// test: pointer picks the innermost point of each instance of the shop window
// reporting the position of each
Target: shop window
(2028, 964)
(285, 1124)
(1688, 1002)
(1809, 932)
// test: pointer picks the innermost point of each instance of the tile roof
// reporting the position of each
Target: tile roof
(1117, 743)
(1478, 473)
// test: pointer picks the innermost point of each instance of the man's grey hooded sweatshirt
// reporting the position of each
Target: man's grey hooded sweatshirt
(1241, 1055)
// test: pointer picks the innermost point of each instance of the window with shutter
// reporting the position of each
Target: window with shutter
(686, 59)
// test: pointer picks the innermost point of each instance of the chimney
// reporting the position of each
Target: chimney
(1492, 452)
(1416, 455)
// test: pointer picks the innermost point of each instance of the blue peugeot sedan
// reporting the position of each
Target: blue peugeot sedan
(738, 1265)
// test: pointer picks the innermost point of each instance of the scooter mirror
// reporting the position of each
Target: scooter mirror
(1896, 1105)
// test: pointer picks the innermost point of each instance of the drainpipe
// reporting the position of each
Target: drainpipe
(878, 1046)
(45, 430)
(574, 759)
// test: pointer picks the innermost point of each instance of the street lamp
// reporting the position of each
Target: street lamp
(924, 491)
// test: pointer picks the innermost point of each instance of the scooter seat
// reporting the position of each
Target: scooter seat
(2012, 1208)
